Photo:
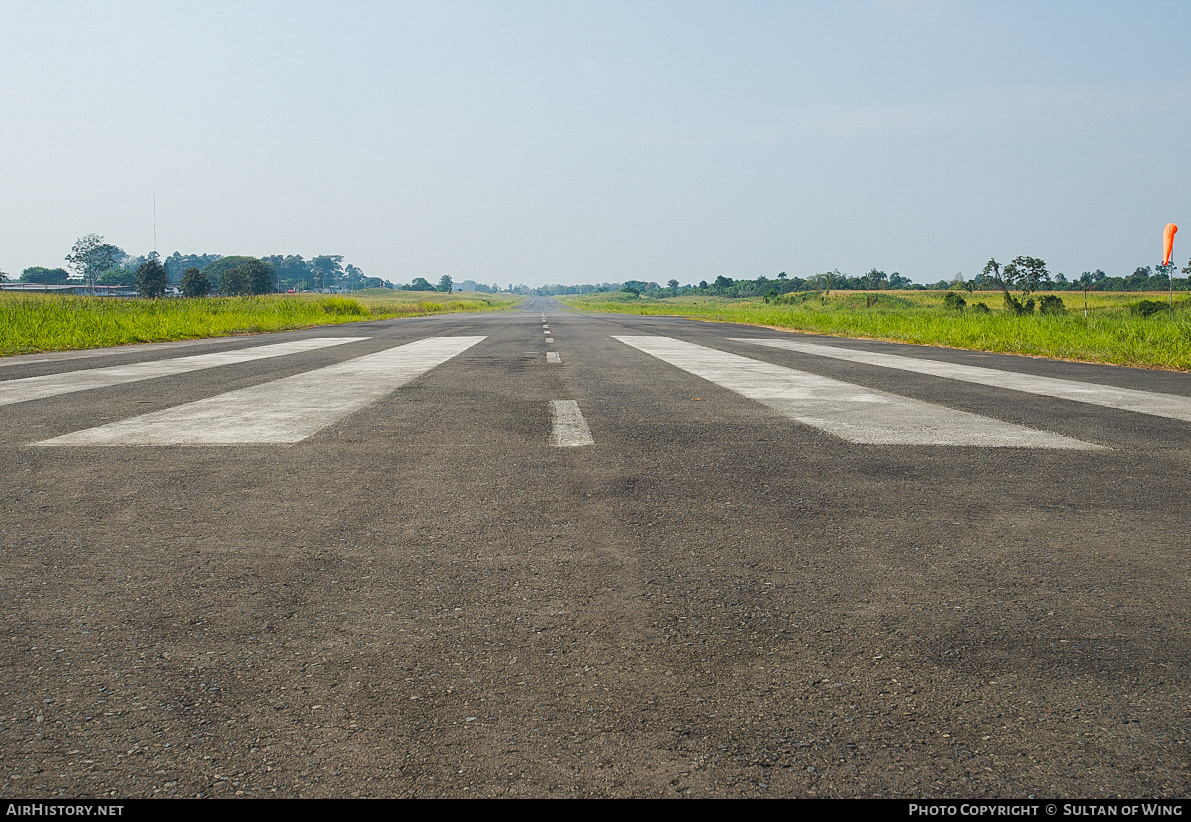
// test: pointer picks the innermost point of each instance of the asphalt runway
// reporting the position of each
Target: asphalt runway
(544, 553)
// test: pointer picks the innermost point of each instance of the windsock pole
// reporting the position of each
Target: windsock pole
(1167, 250)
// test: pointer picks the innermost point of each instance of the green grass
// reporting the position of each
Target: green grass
(1112, 333)
(47, 322)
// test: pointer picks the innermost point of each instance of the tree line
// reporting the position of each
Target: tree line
(1026, 274)
(99, 263)
(96, 262)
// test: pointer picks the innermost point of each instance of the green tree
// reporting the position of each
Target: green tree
(420, 284)
(875, 279)
(1024, 274)
(446, 283)
(673, 286)
(195, 283)
(118, 276)
(327, 269)
(46, 276)
(259, 275)
(235, 282)
(90, 256)
(151, 278)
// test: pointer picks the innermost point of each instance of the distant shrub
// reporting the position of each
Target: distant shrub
(1051, 304)
(980, 308)
(1147, 307)
(953, 301)
(341, 307)
(1016, 306)
(794, 298)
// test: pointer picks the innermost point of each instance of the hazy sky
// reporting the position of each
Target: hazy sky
(600, 141)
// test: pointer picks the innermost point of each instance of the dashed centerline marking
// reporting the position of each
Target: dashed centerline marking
(1125, 399)
(569, 429)
(51, 385)
(553, 356)
(283, 411)
(851, 412)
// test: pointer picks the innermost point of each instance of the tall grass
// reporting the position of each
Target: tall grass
(1112, 333)
(49, 322)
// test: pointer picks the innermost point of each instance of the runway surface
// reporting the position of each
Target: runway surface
(545, 553)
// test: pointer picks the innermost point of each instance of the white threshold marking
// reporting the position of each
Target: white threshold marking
(283, 411)
(1125, 399)
(850, 412)
(51, 385)
(553, 356)
(569, 429)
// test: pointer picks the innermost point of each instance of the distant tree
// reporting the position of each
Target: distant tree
(327, 269)
(151, 278)
(875, 279)
(422, 284)
(235, 282)
(992, 272)
(195, 283)
(446, 283)
(1024, 274)
(122, 277)
(214, 270)
(47, 276)
(91, 256)
(673, 286)
(259, 275)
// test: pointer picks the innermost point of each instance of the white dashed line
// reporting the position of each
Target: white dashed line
(553, 356)
(1125, 399)
(283, 411)
(570, 429)
(851, 412)
(51, 385)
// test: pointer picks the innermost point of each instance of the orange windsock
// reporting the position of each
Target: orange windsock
(1168, 242)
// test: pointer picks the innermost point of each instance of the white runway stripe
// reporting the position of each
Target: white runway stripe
(1126, 399)
(553, 356)
(282, 411)
(851, 412)
(50, 385)
(569, 429)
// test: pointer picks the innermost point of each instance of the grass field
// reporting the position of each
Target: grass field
(47, 322)
(1112, 333)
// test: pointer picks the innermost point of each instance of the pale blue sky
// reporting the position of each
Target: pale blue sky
(599, 141)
